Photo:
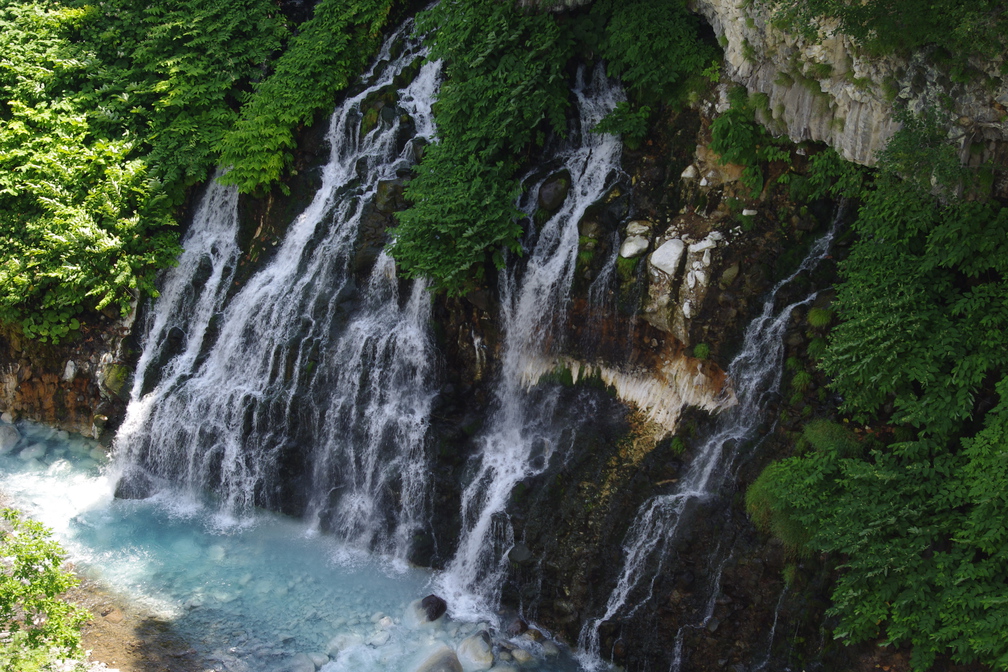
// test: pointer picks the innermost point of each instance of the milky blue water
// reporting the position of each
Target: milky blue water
(260, 594)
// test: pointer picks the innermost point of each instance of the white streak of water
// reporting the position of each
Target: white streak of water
(533, 304)
(755, 373)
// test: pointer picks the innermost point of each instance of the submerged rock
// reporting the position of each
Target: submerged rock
(343, 642)
(301, 663)
(9, 437)
(438, 659)
(474, 653)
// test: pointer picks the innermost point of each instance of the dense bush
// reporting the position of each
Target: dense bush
(329, 50)
(505, 85)
(110, 113)
(652, 46)
(920, 349)
(38, 626)
(738, 138)
(504, 78)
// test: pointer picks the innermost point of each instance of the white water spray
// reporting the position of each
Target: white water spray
(307, 379)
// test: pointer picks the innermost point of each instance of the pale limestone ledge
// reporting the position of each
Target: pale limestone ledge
(662, 393)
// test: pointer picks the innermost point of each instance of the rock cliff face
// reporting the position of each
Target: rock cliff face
(80, 385)
(826, 91)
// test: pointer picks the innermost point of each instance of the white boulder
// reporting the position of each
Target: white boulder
(634, 246)
(667, 257)
(474, 653)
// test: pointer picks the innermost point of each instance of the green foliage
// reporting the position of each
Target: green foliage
(652, 46)
(503, 80)
(110, 114)
(819, 318)
(831, 438)
(38, 626)
(328, 51)
(767, 506)
(959, 29)
(830, 176)
(701, 351)
(920, 343)
(816, 348)
(801, 381)
(738, 138)
(632, 124)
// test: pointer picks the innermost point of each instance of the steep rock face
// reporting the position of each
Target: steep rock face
(826, 91)
(80, 385)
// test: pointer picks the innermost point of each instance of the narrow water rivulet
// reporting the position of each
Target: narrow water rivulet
(755, 374)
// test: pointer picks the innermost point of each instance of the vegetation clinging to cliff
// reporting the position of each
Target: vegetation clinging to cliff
(329, 50)
(960, 30)
(920, 352)
(505, 86)
(113, 112)
(504, 77)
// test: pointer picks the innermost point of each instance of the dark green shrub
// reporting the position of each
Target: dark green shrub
(816, 348)
(701, 351)
(652, 46)
(819, 318)
(504, 80)
(627, 122)
(830, 437)
(801, 381)
(768, 509)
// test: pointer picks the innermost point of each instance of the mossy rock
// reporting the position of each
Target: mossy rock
(114, 382)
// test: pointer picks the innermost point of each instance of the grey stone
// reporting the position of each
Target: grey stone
(9, 437)
(634, 246)
(301, 663)
(440, 658)
(553, 191)
(343, 642)
(638, 227)
(667, 257)
(434, 607)
(32, 452)
(474, 653)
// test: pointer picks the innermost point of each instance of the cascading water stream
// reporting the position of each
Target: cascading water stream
(755, 373)
(520, 435)
(301, 374)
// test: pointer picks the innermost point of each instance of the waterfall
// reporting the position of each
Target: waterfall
(756, 373)
(521, 437)
(298, 379)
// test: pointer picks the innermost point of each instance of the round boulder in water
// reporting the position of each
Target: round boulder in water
(474, 653)
(301, 663)
(33, 452)
(439, 658)
(9, 437)
(516, 627)
(434, 607)
(134, 485)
